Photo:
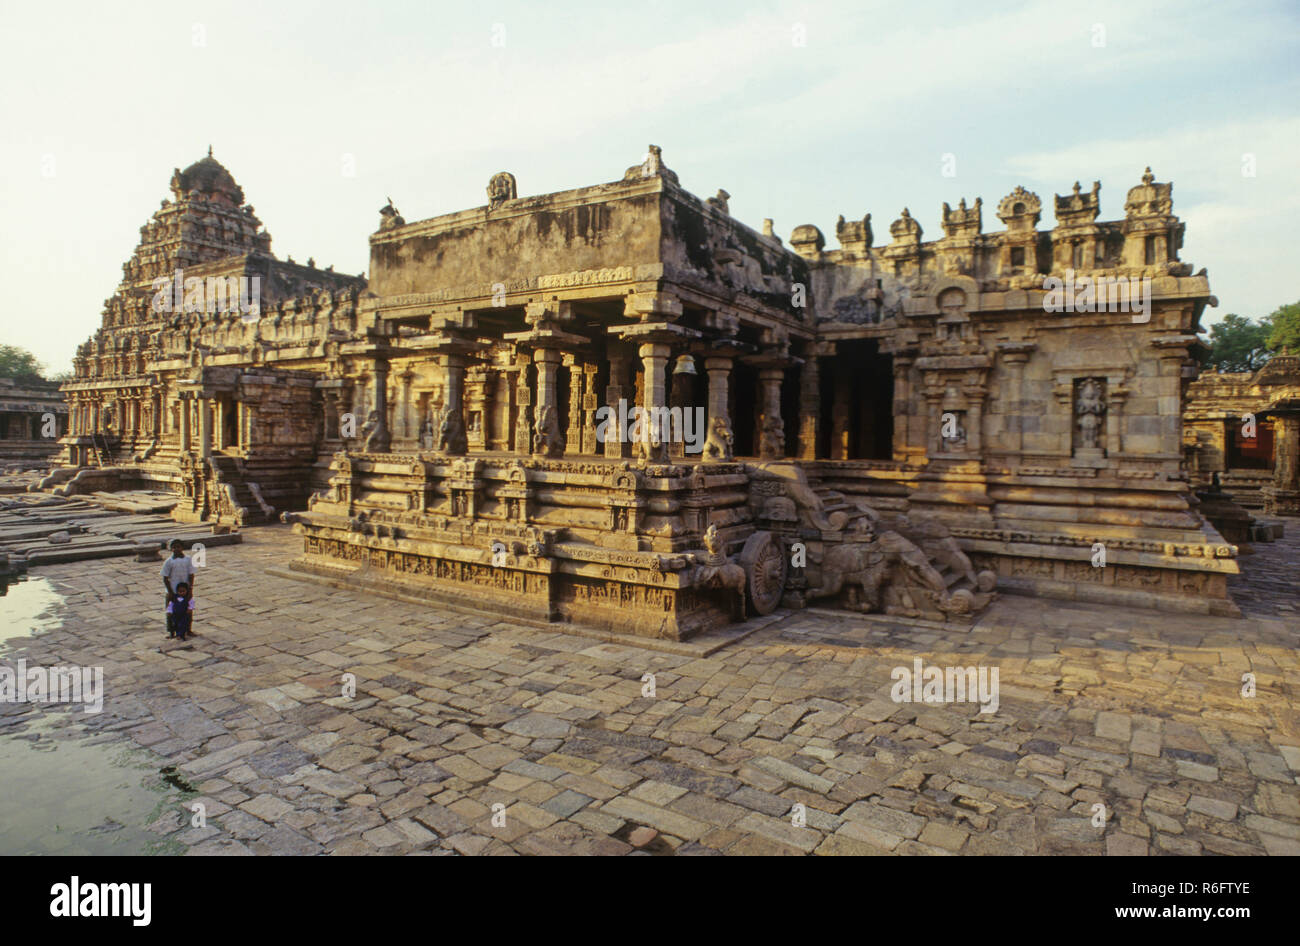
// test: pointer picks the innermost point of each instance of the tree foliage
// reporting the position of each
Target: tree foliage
(1283, 326)
(1237, 344)
(20, 364)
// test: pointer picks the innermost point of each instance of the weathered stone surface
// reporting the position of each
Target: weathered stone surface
(538, 726)
(428, 751)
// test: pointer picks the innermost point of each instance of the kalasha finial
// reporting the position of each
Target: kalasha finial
(209, 151)
(1148, 177)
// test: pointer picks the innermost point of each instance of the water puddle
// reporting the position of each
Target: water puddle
(65, 793)
(28, 607)
(63, 790)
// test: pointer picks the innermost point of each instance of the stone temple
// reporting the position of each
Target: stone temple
(32, 416)
(1223, 410)
(620, 406)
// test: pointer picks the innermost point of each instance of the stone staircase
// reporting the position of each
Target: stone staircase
(284, 483)
(102, 450)
(262, 488)
(235, 494)
(833, 501)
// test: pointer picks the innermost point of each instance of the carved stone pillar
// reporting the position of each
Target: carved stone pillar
(655, 339)
(205, 427)
(903, 362)
(810, 404)
(842, 413)
(380, 439)
(547, 361)
(590, 402)
(524, 402)
(451, 432)
(361, 389)
(616, 391)
(546, 337)
(934, 410)
(573, 433)
(1174, 365)
(332, 401)
(654, 359)
(479, 385)
(186, 413)
(718, 368)
(771, 444)
(1282, 497)
(503, 410)
(975, 395)
(219, 421)
(1116, 395)
(406, 429)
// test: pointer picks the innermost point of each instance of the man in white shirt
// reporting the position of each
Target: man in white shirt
(179, 568)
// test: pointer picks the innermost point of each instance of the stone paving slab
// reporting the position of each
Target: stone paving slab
(315, 719)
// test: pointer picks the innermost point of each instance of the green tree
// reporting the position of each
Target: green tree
(19, 364)
(1283, 326)
(1237, 344)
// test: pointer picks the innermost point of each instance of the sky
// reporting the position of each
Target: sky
(801, 111)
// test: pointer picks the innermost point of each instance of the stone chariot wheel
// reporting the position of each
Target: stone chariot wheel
(763, 559)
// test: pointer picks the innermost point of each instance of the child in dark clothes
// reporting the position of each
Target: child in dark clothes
(180, 612)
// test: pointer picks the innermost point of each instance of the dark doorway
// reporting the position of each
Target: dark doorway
(791, 390)
(688, 393)
(744, 409)
(857, 403)
(230, 423)
(1254, 454)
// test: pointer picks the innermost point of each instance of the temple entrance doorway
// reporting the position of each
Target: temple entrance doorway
(1255, 453)
(791, 397)
(857, 403)
(228, 411)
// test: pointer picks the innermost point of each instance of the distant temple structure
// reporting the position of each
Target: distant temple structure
(902, 428)
(33, 416)
(1245, 426)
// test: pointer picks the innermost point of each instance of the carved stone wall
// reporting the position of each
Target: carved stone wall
(451, 402)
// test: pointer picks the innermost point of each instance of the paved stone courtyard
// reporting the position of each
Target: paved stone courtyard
(482, 736)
